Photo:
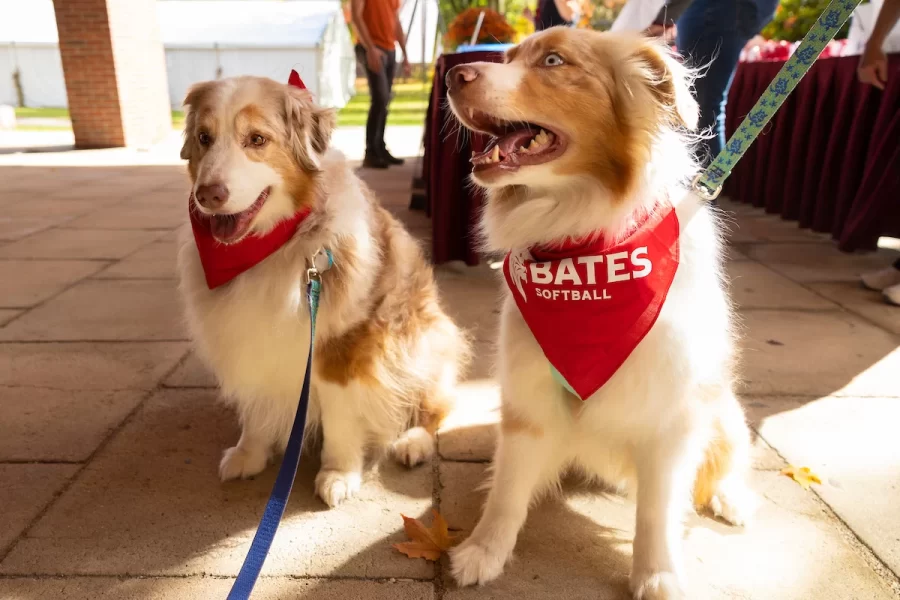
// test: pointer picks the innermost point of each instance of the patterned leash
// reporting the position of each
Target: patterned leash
(708, 185)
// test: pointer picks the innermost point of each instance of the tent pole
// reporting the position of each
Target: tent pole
(424, 41)
(412, 17)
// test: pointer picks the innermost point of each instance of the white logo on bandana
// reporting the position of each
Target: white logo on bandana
(517, 271)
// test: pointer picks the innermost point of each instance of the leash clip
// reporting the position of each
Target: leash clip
(320, 261)
(703, 190)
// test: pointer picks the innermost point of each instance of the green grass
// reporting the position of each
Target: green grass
(42, 113)
(408, 108)
(42, 128)
(63, 113)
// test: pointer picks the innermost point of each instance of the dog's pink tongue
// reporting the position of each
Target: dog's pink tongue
(224, 228)
(511, 142)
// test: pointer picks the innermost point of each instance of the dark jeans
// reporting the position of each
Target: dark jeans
(713, 33)
(380, 84)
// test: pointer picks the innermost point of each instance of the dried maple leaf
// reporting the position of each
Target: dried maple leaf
(426, 542)
(801, 475)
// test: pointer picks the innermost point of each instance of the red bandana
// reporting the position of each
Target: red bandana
(223, 262)
(590, 306)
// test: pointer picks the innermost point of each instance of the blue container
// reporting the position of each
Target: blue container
(484, 48)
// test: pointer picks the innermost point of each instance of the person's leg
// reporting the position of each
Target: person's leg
(390, 69)
(712, 33)
(379, 93)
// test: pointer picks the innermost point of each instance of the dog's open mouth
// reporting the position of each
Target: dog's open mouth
(231, 228)
(515, 144)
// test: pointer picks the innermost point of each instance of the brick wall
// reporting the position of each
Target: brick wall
(115, 72)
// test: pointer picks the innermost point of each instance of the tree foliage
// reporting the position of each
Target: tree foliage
(794, 18)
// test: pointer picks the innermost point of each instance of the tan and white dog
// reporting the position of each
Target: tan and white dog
(386, 355)
(593, 139)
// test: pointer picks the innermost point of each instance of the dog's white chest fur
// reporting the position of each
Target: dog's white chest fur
(256, 332)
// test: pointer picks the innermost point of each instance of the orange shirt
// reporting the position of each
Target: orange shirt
(380, 17)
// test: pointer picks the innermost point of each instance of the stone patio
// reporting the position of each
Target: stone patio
(110, 433)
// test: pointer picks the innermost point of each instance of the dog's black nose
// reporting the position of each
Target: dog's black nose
(460, 75)
(212, 196)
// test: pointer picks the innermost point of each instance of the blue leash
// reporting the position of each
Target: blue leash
(268, 525)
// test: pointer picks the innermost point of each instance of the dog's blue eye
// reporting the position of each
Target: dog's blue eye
(553, 60)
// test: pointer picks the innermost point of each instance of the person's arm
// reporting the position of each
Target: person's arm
(401, 38)
(664, 24)
(671, 11)
(873, 63)
(374, 55)
(565, 9)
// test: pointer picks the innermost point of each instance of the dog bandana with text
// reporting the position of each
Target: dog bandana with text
(223, 262)
(589, 305)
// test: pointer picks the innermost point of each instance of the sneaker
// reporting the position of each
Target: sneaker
(374, 162)
(881, 280)
(390, 158)
(892, 294)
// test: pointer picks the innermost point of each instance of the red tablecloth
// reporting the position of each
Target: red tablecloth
(453, 203)
(830, 158)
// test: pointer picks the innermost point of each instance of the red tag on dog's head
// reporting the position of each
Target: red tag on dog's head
(589, 306)
(295, 80)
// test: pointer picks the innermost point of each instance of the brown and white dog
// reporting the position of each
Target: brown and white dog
(386, 356)
(594, 142)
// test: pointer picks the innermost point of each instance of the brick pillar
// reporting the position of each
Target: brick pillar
(115, 71)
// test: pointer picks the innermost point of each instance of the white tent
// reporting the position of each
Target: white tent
(203, 39)
(28, 42)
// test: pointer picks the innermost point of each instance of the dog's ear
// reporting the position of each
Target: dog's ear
(192, 100)
(309, 127)
(670, 81)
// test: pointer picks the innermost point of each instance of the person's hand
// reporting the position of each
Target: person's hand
(375, 59)
(873, 66)
(407, 70)
(668, 33)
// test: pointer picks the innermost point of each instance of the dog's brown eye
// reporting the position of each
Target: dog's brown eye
(203, 138)
(257, 140)
(553, 60)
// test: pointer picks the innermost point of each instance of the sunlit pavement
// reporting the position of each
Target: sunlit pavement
(110, 433)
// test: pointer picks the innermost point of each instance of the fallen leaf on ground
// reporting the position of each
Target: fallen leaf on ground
(426, 542)
(801, 475)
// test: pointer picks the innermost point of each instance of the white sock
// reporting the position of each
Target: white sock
(892, 294)
(881, 280)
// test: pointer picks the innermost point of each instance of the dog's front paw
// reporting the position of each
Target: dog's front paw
(734, 502)
(473, 563)
(240, 463)
(657, 586)
(333, 487)
(414, 447)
